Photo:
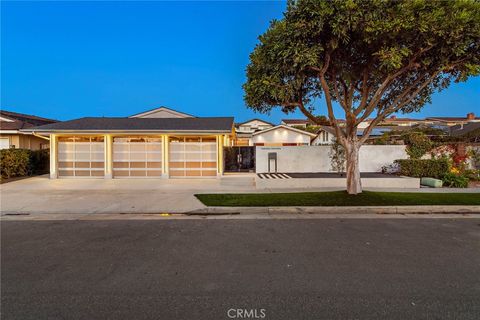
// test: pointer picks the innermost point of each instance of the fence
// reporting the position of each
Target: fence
(317, 158)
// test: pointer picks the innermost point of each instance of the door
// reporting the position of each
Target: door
(81, 157)
(137, 157)
(239, 159)
(192, 157)
(4, 143)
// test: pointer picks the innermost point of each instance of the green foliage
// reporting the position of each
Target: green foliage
(337, 157)
(39, 161)
(23, 162)
(310, 128)
(474, 153)
(14, 162)
(453, 180)
(337, 198)
(422, 41)
(418, 144)
(433, 168)
(472, 174)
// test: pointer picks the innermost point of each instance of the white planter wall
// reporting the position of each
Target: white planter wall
(316, 158)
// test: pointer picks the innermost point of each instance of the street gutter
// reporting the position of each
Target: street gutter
(340, 210)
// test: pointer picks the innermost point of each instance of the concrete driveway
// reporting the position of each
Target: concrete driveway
(42, 195)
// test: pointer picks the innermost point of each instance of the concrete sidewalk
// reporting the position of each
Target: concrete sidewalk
(92, 196)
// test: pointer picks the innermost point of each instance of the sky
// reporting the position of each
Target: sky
(65, 60)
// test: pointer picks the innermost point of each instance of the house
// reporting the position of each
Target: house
(452, 121)
(282, 135)
(157, 143)
(297, 122)
(11, 137)
(469, 131)
(244, 131)
(325, 136)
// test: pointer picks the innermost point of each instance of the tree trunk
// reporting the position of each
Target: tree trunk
(354, 184)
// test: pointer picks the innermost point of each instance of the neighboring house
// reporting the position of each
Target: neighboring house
(297, 122)
(401, 122)
(452, 121)
(282, 135)
(325, 136)
(244, 131)
(157, 143)
(11, 137)
(469, 131)
(304, 123)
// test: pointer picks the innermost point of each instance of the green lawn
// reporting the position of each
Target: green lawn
(337, 198)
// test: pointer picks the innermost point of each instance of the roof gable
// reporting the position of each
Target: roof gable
(253, 121)
(282, 126)
(162, 112)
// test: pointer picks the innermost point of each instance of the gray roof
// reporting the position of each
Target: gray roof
(214, 125)
(460, 130)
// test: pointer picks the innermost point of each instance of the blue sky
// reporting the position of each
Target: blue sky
(66, 60)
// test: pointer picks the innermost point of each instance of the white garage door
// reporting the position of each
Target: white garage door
(193, 157)
(81, 157)
(4, 143)
(137, 157)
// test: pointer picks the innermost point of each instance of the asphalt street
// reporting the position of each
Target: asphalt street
(267, 269)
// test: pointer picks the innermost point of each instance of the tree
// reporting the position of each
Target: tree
(373, 58)
(337, 157)
(418, 144)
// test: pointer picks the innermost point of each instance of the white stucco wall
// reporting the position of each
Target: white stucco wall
(281, 135)
(316, 158)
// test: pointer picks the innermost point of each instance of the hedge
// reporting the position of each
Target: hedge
(434, 168)
(23, 162)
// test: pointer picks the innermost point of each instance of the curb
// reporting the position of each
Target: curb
(338, 210)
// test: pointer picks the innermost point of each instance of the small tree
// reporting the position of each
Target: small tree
(337, 157)
(418, 144)
(373, 58)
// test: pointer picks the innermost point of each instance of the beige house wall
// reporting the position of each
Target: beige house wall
(24, 141)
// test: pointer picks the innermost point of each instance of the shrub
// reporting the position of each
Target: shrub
(418, 144)
(14, 162)
(39, 161)
(454, 180)
(337, 157)
(434, 168)
(23, 162)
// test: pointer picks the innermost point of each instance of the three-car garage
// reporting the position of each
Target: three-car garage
(161, 143)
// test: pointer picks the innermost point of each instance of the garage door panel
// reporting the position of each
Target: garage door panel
(121, 173)
(137, 156)
(97, 165)
(154, 173)
(209, 173)
(65, 173)
(177, 173)
(120, 164)
(209, 164)
(138, 164)
(81, 157)
(97, 173)
(82, 173)
(65, 164)
(197, 155)
(82, 164)
(196, 164)
(154, 164)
